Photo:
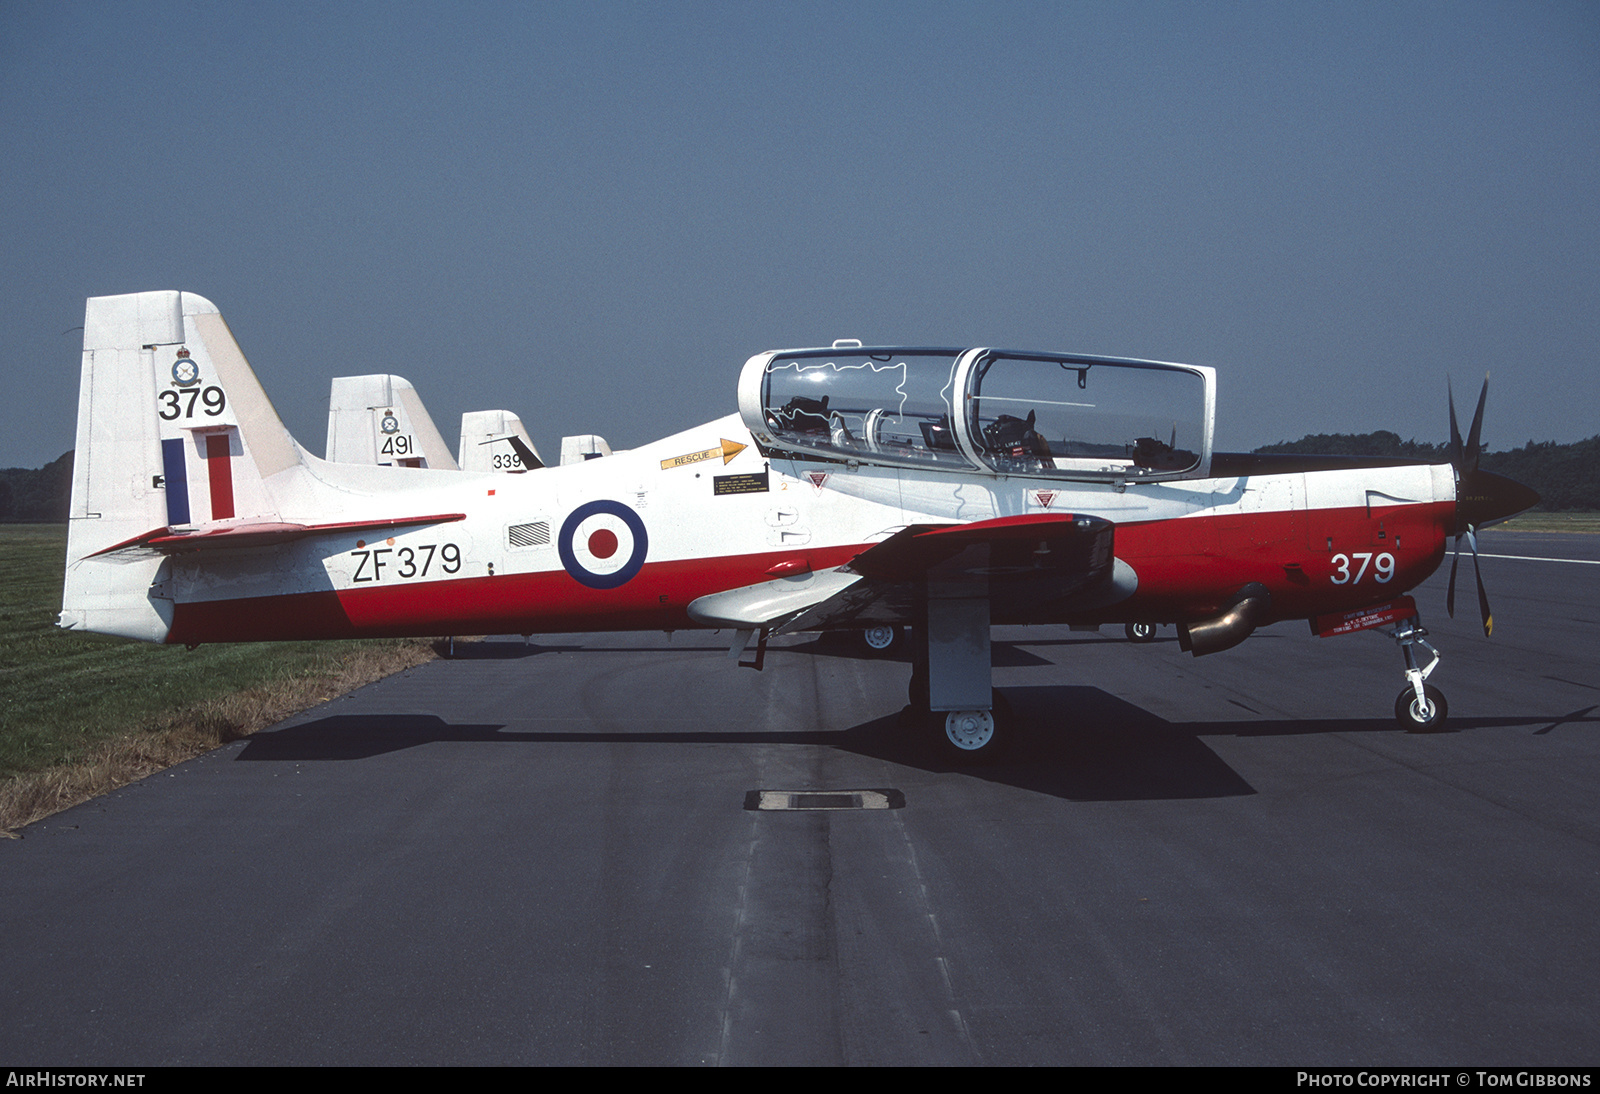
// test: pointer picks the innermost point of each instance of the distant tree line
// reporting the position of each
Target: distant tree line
(36, 497)
(1567, 476)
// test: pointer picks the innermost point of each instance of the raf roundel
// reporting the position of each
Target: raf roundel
(602, 544)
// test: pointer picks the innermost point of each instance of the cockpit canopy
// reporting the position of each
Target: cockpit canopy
(1003, 412)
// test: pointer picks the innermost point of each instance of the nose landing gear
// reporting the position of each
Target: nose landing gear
(1420, 707)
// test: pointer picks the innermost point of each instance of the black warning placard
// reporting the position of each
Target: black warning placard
(739, 484)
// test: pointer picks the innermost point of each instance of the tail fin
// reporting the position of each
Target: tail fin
(380, 420)
(495, 440)
(585, 446)
(174, 431)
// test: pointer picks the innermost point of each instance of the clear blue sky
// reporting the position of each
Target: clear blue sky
(592, 213)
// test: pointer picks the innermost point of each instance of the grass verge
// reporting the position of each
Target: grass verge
(1553, 522)
(84, 714)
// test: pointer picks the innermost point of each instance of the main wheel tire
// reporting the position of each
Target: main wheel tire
(1140, 632)
(972, 737)
(881, 641)
(1426, 716)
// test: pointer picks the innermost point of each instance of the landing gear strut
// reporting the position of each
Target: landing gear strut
(1420, 707)
(951, 691)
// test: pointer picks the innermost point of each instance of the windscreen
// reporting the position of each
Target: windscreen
(1053, 416)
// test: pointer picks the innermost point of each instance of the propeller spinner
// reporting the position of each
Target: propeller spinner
(1482, 498)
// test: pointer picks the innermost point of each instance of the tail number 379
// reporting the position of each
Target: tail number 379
(1382, 567)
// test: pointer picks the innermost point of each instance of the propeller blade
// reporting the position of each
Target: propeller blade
(1471, 455)
(1483, 597)
(1450, 595)
(1455, 431)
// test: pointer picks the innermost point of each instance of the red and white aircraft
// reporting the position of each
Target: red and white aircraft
(940, 490)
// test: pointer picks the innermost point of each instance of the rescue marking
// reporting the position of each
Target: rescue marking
(727, 450)
(602, 544)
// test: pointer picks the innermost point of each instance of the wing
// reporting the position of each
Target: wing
(1033, 568)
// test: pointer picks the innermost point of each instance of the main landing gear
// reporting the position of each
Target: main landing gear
(1420, 707)
(951, 696)
(966, 737)
(881, 641)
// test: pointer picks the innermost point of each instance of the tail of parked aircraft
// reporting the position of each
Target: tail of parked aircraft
(174, 433)
(495, 440)
(379, 420)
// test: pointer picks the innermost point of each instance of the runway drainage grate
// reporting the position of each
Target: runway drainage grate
(800, 800)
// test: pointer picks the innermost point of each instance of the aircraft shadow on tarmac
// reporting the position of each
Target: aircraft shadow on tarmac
(1077, 743)
(1111, 751)
(1004, 654)
(465, 650)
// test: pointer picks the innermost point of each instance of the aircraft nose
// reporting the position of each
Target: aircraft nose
(1483, 498)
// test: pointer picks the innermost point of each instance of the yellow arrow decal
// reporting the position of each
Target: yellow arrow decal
(727, 450)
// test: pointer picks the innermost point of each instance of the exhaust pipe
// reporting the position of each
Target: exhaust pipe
(1248, 609)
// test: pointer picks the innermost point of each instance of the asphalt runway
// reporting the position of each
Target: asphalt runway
(543, 855)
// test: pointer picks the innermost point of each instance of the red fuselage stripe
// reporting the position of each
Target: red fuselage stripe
(1313, 562)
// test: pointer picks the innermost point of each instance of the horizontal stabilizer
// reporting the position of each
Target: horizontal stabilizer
(168, 541)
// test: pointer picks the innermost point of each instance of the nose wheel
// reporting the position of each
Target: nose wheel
(1422, 714)
(1420, 707)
